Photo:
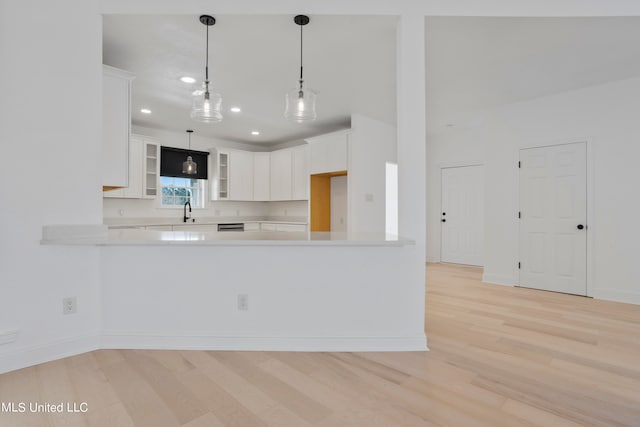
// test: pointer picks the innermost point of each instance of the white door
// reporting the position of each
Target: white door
(553, 211)
(462, 216)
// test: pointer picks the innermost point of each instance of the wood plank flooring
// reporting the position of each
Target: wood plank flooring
(500, 356)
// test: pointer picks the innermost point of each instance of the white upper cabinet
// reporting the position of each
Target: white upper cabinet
(300, 172)
(233, 179)
(134, 189)
(240, 175)
(116, 126)
(151, 168)
(143, 170)
(221, 184)
(281, 174)
(329, 152)
(261, 176)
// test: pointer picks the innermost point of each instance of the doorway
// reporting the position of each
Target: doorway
(462, 215)
(553, 218)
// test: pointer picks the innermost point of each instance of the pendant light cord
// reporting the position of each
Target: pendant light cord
(301, 26)
(206, 67)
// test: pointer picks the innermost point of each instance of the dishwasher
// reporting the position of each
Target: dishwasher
(232, 226)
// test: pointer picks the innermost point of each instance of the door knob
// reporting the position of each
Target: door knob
(444, 213)
(444, 220)
(580, 226)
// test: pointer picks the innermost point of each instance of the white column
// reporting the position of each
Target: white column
(411, 155)
(411, 129)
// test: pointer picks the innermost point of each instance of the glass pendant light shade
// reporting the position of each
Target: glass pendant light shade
(207, 105)
(189, 166)
(300, 105)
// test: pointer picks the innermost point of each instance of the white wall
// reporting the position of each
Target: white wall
(606, 117)
(372, 143)
(339, 203)
(50, 127)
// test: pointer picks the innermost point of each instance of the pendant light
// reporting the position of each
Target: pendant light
(189, 166)
(300, 101)
(207, 105)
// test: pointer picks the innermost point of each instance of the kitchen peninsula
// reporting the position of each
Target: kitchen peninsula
(295, 291)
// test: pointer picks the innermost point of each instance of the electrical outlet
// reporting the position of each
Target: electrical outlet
(69, 305)
(243, 302)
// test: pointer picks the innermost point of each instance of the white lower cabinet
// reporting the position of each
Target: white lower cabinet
(195, 227)
(251, 226)
(275, 226)
(159, 227)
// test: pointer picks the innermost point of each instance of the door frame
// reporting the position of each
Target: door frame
(591, 219)
(449, 165)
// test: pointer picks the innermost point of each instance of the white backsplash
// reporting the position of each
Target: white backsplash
(147, 208)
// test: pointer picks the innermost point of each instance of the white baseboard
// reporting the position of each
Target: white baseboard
(35, 355)
(499, 279)
(618, 296)
(114, 340)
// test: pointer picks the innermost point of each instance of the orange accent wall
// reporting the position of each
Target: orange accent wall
(320, 203)
(320, 200)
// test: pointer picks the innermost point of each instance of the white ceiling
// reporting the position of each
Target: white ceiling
(475, 63)
(472, 63)
(253, 61)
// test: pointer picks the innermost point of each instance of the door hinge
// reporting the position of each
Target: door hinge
(519, 165)
(518, 266)
(519, 214)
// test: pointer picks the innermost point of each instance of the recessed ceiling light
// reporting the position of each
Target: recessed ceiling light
(235, 109)
(255, 132)
(187, 79)
(145, 111)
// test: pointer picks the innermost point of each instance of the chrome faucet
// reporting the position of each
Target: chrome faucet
(185, 218)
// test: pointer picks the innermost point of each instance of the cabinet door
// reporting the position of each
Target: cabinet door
(329, 152)
(134, 189)
(150, 161)
(116, 122)
(337, 153)
(261, 176)
(223, 176)
(291, 227)
(300, 179)
(240, 175)
(281, 175)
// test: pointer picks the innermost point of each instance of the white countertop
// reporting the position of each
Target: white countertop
(102, 236)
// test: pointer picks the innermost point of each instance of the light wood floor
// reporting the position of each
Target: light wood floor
(500, 356)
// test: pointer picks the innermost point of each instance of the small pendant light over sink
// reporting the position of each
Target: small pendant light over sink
(207, 105)
(300, 101)
(189, 166)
